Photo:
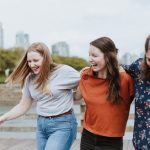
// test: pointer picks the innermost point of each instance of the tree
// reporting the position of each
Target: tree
(75, 62)
(9, 58)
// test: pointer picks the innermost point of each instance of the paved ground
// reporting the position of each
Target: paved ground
(12, 144)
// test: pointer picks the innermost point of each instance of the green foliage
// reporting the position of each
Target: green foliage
(75, 62)
(2, 78)
(9, 58)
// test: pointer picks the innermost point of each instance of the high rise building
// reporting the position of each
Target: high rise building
(142, 54)
(128, 58)
(60, 48)
(1, 36)
(22, 40)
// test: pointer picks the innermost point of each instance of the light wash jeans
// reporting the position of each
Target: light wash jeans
(56, 133)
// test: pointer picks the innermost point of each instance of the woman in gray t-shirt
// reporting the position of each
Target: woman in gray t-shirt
(50, 85)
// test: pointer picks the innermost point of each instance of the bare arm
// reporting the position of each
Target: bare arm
(77, 94)
(17, 111)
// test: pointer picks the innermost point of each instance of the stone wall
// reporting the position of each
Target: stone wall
(9, 94)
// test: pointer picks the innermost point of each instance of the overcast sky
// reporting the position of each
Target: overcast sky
(78, 22)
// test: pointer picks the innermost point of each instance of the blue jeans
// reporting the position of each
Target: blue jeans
(56, 133)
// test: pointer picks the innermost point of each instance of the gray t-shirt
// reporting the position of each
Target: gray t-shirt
(60, 85)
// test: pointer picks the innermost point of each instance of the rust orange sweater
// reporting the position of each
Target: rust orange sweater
(102, 117)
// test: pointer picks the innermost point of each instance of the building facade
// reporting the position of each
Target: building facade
(128, 58)
(1, 36)
(60, 48)
(22, 40)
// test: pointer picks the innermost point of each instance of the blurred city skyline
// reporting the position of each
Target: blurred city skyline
(78, 22)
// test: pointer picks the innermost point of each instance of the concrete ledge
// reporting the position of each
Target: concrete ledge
(23, 144)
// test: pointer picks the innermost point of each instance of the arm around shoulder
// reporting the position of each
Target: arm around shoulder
(131, 88)
(77, 94)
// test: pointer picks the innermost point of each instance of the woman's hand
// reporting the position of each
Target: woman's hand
(77, 94)
(121, 69)
(83, 69)
(2, 119)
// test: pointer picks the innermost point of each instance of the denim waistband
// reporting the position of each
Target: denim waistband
(65, 113)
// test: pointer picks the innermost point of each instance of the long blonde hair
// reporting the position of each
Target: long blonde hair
(22, 70)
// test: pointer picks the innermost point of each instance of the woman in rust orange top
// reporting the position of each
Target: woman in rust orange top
(108, 94)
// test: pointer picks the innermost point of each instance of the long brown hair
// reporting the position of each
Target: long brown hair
(107, 46)
(22, 70)
(145, 69)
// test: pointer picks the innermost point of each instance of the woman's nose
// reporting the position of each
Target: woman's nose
(32, 64)
(90, 58)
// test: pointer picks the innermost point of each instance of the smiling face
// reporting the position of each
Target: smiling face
(97, 60)
(35, 61)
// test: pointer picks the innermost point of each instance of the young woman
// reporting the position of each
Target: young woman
(140, 71)
(108, 94)
(50, 85)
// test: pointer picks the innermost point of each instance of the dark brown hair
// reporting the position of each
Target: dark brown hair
(107, 46)
(22, 70)
(145, 69)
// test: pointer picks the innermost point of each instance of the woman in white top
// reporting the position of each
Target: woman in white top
(50, 85)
